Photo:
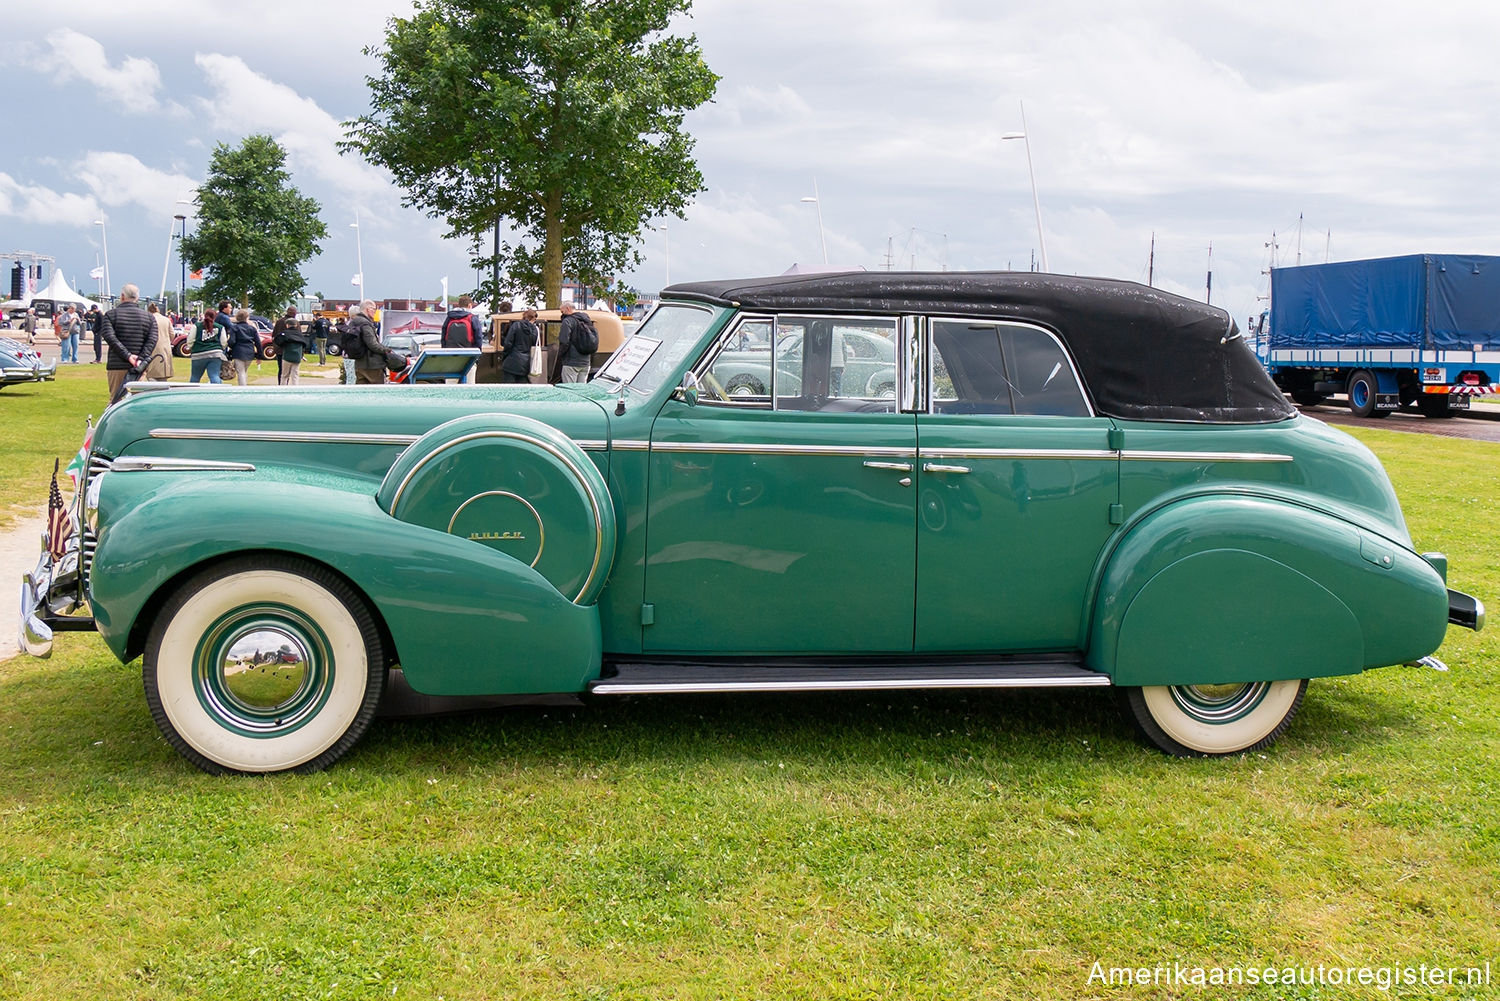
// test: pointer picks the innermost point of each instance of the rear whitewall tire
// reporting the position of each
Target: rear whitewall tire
(1214, 720)
(203, 698)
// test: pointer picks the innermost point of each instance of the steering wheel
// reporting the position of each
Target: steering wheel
(715, 388)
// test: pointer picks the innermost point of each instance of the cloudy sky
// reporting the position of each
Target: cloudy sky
(1202, 122)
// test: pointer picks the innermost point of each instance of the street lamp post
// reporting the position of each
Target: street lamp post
(359, 257)
(182, 260)
(104, 235)
(1035, 201)
(814, 199)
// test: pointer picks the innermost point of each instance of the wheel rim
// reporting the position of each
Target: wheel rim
(263, 670)
(1361, 393)
(1219, 704)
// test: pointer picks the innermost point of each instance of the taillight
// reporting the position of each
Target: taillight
(1470, 378)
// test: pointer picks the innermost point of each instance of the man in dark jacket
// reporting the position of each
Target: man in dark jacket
(369, 369)
(131, 334)
(572, 364)
(95, 319)
(461, 328)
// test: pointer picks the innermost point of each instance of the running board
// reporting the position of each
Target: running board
(687, 676)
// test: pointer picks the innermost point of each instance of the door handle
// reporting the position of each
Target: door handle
(934, 467)
(900, 467)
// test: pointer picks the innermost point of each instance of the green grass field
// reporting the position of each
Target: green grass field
(991, 845)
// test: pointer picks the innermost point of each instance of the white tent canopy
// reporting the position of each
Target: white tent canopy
(60, 292)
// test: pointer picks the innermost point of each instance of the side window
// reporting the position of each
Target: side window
(741, 372)
(1001, 368)
(835, 364)
(1042, 374)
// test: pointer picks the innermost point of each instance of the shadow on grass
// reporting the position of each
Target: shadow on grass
(95, 712)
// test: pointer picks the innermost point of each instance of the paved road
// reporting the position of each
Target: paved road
(1482, 423)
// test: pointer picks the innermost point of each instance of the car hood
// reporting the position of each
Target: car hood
(229, 413)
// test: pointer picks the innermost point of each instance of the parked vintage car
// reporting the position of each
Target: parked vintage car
(23, 363)
(1076, 482)
(863, 359)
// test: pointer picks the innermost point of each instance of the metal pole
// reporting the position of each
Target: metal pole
(182, 282)
(166, 262)
(1035, 201)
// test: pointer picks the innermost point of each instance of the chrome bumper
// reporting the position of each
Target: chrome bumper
(1465, 610)
(51, 601)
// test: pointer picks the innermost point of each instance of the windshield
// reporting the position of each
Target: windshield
(654, 351)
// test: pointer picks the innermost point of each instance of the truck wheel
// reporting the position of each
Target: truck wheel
(1363, 390)
(264, 664)
(1435, 405)
(1191, 721)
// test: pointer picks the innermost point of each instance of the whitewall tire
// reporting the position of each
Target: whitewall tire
(1212, 720)
(264, 664)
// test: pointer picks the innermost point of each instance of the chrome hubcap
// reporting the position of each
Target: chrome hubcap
(1219, 703)
(263, 671)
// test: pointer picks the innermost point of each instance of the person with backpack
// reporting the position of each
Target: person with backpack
(461, 328)
(291, 344)
(206, 345)
(362, 343)
(516, 346)
(577, 340)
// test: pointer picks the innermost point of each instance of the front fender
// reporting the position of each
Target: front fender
(1218, 589)
(464, 618)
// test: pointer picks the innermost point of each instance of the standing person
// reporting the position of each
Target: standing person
(320, 338)
(95, 319)
(243, 342)
(291, 342)
(160, 368)
(131, 334)
(341, 328)
(369, 367)
(68, 325)
(29, 325)
(461, 328)
(516, 345)
(206, 346)
(573, 358)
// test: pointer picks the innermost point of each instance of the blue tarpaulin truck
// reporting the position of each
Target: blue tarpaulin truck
(1418, 331)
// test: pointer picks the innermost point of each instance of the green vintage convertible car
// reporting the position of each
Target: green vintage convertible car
(1074, 482)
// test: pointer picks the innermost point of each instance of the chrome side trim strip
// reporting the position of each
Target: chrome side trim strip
(630, 446)
(149, 463)
(853, 685)
(767, 448)
(1131, 456)
(318, 437)
(1018, 453)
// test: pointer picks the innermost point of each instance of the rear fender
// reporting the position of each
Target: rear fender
(464, 618)
(1221, 589)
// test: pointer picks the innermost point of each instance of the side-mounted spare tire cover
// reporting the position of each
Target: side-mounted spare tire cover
(515, 485)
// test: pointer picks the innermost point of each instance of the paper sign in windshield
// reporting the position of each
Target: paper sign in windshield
(630, 359)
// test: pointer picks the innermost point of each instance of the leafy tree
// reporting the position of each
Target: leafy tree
(255, 231)
(562, 118)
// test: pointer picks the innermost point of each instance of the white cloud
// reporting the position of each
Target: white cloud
(69, 55)
(36, 204)
(121, 179)
(246, 101)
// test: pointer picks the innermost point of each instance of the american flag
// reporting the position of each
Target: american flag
(59, 525)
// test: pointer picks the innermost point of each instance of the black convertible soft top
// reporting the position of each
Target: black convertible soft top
(1144, 354)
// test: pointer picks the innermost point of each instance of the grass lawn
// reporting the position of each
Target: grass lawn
(990, 845)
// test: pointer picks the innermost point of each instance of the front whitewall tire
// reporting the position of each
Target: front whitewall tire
(264, 665)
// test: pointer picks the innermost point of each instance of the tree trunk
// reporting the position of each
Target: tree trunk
(552, 259)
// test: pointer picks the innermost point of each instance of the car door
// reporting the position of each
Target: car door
(1017, 481)
(781, 521)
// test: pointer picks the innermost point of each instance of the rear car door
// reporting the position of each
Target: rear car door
(1017, 483)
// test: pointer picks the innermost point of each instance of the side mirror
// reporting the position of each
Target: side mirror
(688, 391)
